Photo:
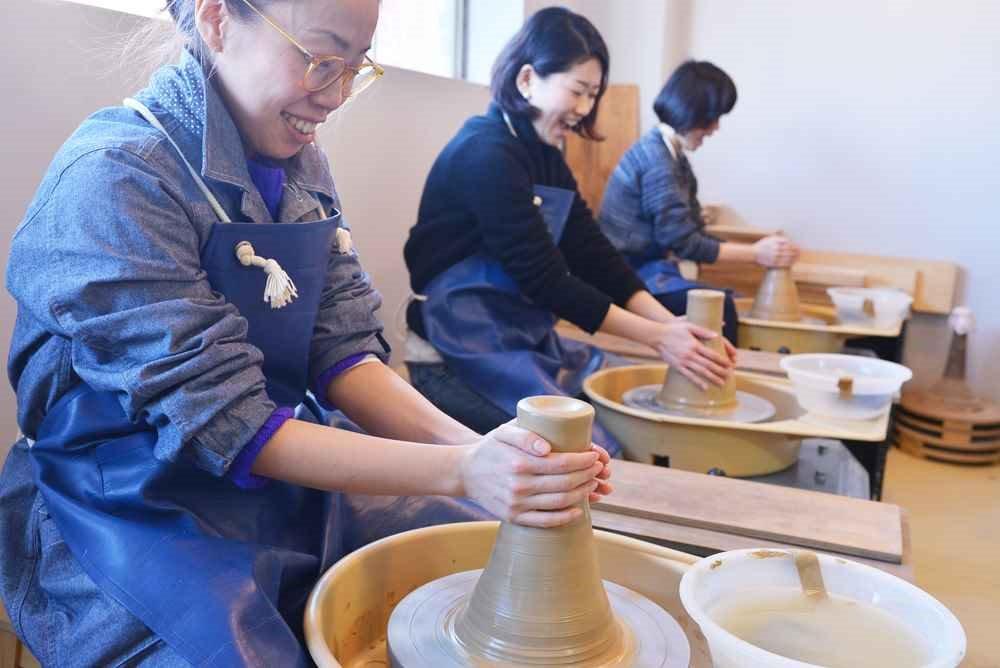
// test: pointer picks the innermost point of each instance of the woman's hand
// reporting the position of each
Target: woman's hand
(513, 474)
(709, 214)
(681, 345)
(775, 251)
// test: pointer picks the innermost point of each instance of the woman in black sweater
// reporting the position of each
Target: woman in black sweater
(504, 245)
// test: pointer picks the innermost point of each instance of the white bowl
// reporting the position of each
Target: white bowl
(742, 573)
(886, 308)
(844, 386)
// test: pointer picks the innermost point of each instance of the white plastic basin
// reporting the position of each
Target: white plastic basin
(844, 386)
(741, 573)
(881, 308)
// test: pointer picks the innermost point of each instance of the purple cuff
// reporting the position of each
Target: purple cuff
(239, 472)
(323, 381)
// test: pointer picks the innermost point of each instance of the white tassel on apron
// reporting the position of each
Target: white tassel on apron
(279, 291)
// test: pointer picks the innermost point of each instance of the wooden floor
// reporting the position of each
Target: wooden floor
(954, 514)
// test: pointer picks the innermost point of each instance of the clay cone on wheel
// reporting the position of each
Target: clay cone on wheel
(704, 308)
(777, 298)
(540, 600)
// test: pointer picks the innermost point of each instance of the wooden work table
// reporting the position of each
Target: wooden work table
(704, 514)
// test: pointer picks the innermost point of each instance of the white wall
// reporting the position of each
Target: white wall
(489, 26)
(867, 126)
(380, 147)
(871, 127)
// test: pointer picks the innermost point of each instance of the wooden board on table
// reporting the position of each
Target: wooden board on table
(930, 282)
(756, 510)
(755, 361)
(692, 539)
(740, 233)
(593, 161)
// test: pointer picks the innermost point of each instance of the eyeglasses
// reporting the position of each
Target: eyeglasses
(323, 71)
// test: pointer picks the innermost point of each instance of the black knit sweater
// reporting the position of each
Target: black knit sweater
(478, 198)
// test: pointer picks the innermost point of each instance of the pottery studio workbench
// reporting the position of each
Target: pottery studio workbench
(703, 514)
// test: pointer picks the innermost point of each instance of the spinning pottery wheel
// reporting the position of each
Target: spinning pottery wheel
(753, 425)
(776, 321)
(680, 397)
(540, 601)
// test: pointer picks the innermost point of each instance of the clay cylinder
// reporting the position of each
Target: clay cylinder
(705, 309)
(777, 298)
(540, 600)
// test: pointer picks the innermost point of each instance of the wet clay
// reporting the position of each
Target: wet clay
(540, 601)
(777, 298)
(541, 595)
(704, 308)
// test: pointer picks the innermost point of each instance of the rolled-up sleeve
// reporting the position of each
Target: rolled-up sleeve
(115, 268)
(347, 323)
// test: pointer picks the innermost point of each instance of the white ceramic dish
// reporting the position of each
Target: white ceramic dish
(882, 308)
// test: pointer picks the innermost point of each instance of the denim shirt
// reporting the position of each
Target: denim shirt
(651, 207)
(106, 272)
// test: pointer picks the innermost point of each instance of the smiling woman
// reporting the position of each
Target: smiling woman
(183, 281)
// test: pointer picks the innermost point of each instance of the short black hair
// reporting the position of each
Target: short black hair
(553, 40)
(695, 96)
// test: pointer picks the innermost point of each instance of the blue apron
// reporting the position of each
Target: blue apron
(662, 276)
(496, 340)
(220, 573)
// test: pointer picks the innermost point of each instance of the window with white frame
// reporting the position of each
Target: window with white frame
(421, 35)
(449, 38)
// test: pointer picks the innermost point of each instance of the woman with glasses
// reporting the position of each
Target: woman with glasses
(166, 506)
(650, 210)
(504, 245)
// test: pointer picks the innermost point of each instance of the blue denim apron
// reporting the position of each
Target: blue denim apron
(496, 340)
(663, 277)
(220, 573)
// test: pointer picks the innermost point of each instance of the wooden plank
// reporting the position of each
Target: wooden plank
(591, 161)
(740, 233)
(687, 538)
(754, 361)
(770, 512)
(932, 283)
(829, 275)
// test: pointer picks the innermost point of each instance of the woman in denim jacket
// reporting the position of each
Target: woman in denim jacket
(650, 210)
(165, 506)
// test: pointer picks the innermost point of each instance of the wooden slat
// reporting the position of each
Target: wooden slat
(592, 162)
(932, 283)
(702, 540)
(948, 439)
(739, 233)
(770, 512)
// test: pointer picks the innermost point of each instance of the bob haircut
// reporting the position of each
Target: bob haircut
(695, 96)
(553, 40)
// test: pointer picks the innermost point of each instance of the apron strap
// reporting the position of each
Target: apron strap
(144, 111)
(279, 289)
